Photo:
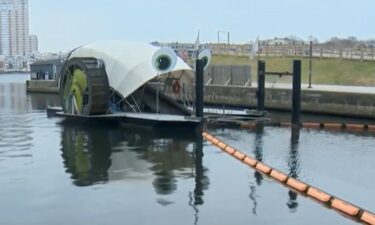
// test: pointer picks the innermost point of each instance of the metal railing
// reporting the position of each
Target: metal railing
(228, 75)
(301, 50)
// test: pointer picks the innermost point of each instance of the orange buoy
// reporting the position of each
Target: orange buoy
(230, 150)
(209, 137)
(311, 125)
(277, 175)
(239, 155)
(333, 126)
(248, 125)
(371, 128)
(368, 217)
(222, 145)
(355, 127)
(263, 168)
(318, 195)
(215, 141)
(285, 124)
(344, 207)
(296, 184)
(250, 161)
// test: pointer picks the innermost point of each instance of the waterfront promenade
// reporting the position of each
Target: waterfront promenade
(324, 87)
(353, 101)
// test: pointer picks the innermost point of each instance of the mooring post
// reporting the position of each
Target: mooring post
(310, 64)
(296, 98)
(199, 88)
(261, 84)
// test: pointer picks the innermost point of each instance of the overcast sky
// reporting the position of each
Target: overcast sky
(65, 24)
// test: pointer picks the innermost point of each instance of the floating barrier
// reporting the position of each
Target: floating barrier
(248, 125)
(345, 207)
(325, 126)
(277, 175)
(333, 202)
(319, 195)
(368, 217)
(343, 126)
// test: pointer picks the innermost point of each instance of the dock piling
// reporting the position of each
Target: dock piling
(199, 88)
(296, 98)
(261, 85)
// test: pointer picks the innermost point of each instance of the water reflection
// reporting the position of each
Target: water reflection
(13, 98)
(294, 167)
(293, 162)
(15, 125)
(86, 155)
(258, 152)
(42, 101)
(259, 132)
(15, 136)
(98, 154)
(201, 179)
(252, 197)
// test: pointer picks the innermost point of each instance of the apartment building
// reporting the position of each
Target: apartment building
(14, 27)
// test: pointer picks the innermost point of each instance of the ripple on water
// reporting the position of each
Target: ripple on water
(15, 135)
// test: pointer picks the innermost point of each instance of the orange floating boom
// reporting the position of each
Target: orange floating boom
(328, 126)
(344, 207)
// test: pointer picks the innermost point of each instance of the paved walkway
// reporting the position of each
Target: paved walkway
(323, 87)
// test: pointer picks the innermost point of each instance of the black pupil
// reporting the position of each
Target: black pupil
(163, 62)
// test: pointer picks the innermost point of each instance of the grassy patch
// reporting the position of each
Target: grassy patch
(324, 71)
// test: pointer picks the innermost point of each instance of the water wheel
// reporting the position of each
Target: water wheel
(84, 87)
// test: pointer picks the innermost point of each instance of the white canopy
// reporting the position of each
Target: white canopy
(129, 64)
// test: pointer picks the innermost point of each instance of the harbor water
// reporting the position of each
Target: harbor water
(106, 174)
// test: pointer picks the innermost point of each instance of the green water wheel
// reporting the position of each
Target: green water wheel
(84, 87)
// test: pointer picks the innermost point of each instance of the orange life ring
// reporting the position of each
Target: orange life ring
(176, 87)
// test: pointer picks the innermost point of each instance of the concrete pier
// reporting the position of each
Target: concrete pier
(324, 99)
(42, 86)
(336, 100)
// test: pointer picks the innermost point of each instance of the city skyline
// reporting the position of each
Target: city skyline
(62, 26)
(15, 38)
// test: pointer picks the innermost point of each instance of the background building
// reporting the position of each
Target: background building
(33, 40)
(14, 27)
